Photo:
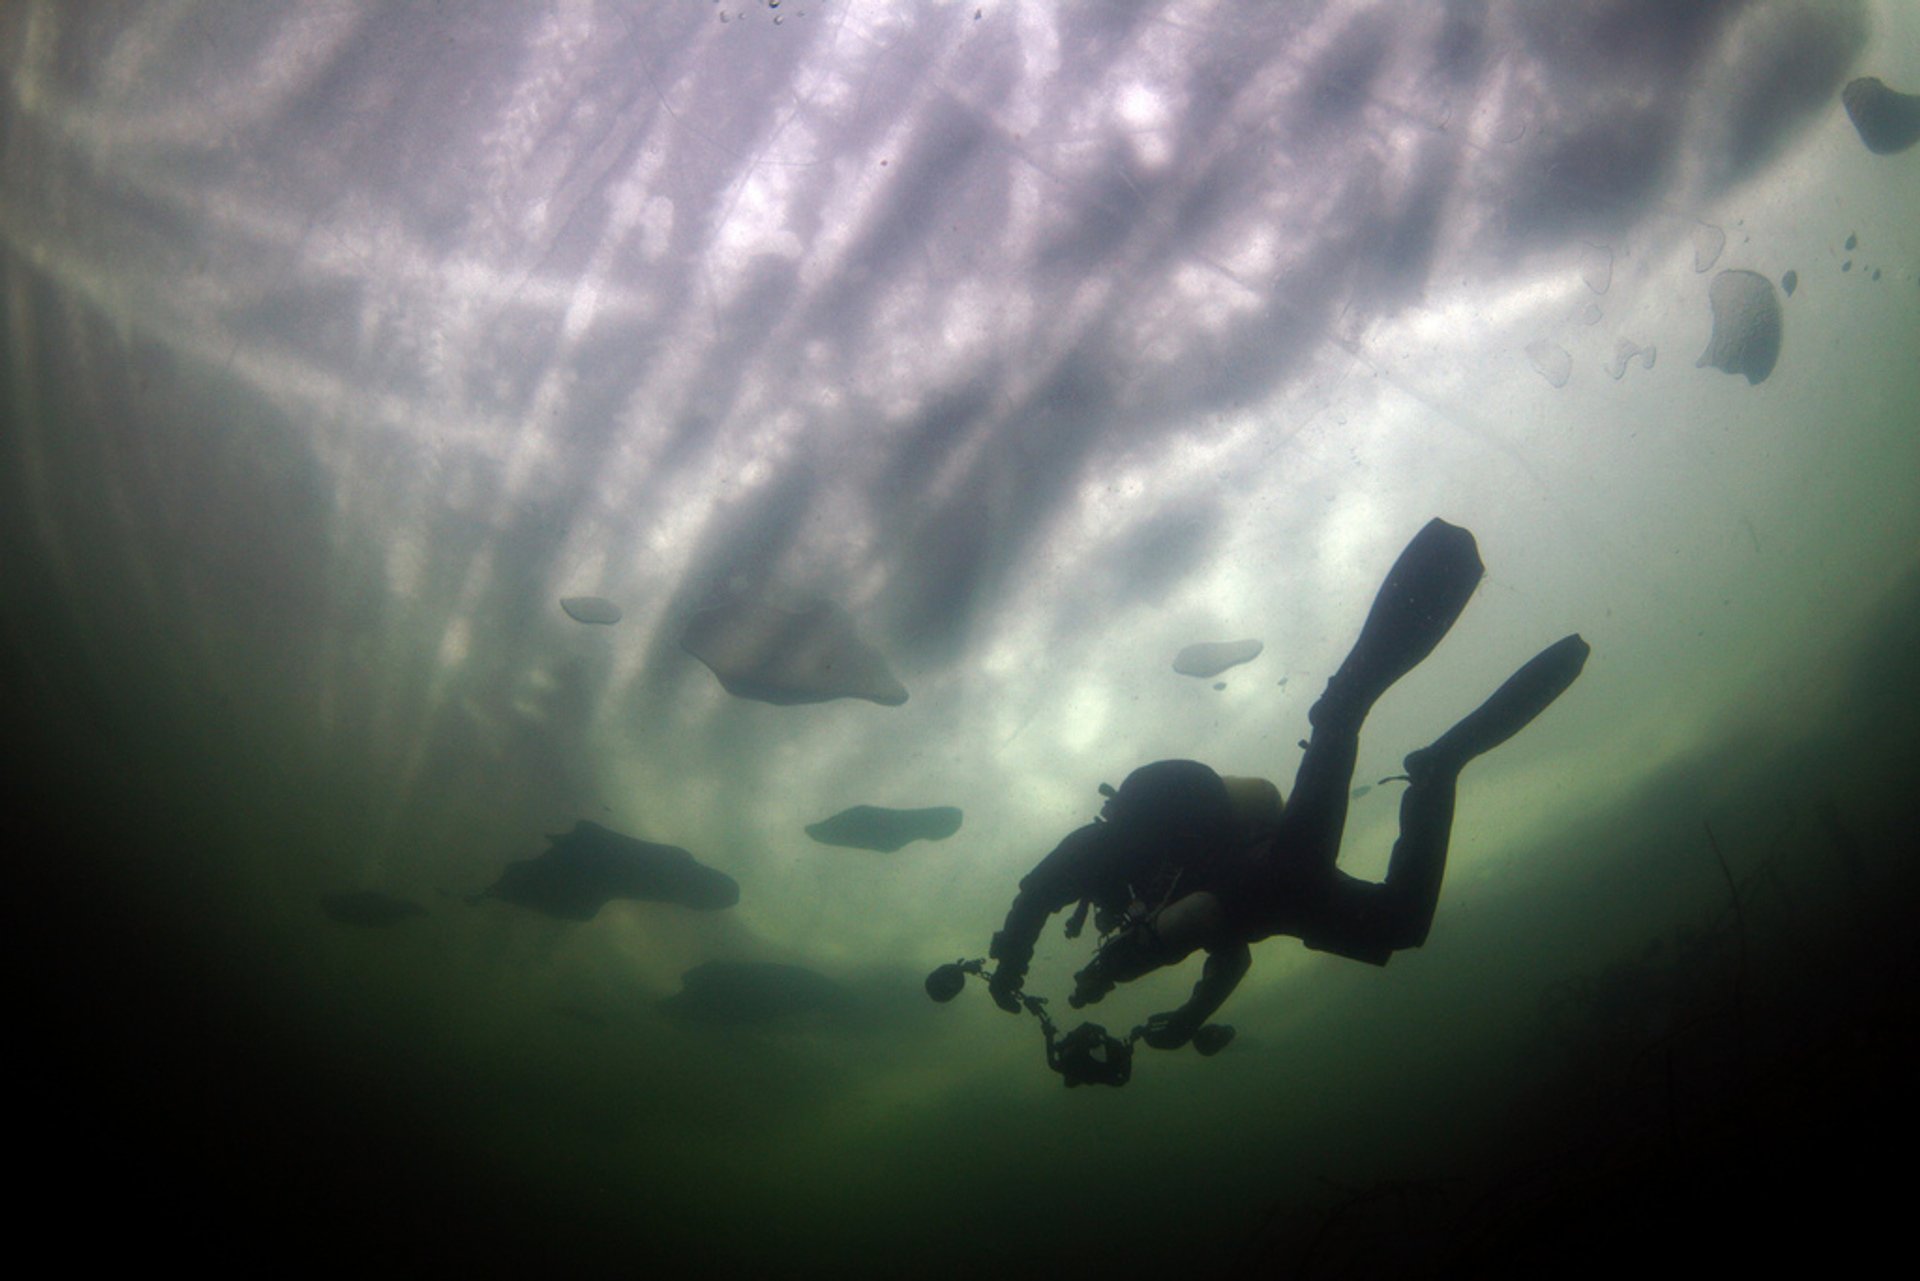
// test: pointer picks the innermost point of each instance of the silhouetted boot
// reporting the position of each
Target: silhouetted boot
(1509, 709)
(1423, 594)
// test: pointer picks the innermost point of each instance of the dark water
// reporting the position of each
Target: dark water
(1558, 1073)
(341, 350)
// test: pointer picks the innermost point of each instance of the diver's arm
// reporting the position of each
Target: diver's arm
(1012, 947)
(1068, 873)
(1226, 966)
(1222, 973)
(1167, 937)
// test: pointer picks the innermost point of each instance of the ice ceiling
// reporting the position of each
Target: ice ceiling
(1021, 345)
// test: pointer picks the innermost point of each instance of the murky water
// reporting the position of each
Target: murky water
(558, 560)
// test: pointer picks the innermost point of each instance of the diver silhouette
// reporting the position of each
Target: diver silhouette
(1182, 859)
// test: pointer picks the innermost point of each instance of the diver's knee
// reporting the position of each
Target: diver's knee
(1393, 921)
(1408, 928)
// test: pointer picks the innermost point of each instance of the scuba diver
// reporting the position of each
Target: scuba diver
(1182, 859)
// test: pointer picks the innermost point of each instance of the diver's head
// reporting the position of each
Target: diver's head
(1171, 803)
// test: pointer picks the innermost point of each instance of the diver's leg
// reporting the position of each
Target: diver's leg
(1316, 813)
(1403, 913)
(1419, 860)
(1423, 594)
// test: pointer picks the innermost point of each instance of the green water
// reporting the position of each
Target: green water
(339, 350)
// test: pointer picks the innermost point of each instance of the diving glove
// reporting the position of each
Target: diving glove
(1004, 987)
(1168, 1031)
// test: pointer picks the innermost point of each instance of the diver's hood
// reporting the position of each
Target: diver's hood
(1172, 800)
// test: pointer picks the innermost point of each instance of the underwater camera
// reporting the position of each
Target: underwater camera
(1089, 1055)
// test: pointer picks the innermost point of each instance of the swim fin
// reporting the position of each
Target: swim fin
(1423, 594)
(1508, 710)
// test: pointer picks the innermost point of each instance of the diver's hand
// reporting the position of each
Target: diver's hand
(1090, 984)
(1168, 1031)
(1005, 990)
